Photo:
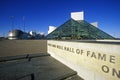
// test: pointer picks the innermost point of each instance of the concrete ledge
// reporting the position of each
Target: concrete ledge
(71, 76)
(110, 42)
(93, 60)
(38, 55)
(38, 68)
(66, 76)
(25, 56)
(26, 77)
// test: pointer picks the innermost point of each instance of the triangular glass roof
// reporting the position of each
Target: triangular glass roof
(73, 29)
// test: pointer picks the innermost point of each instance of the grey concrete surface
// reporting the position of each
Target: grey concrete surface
(25, 56)
(114, 42)
(37, 68)
(19, 47)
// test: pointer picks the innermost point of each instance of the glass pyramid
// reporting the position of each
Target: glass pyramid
(73, 29)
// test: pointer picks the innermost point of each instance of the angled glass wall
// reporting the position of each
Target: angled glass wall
(72, 29)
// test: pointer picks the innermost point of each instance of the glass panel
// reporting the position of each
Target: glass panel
(78, 30)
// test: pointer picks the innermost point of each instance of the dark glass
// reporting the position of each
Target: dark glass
(72, 29)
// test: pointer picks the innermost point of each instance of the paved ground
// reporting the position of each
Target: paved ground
(34, 67)
(19, 47)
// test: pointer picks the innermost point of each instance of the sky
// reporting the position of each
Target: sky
(40, 14)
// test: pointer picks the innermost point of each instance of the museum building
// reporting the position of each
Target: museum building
(77, 28)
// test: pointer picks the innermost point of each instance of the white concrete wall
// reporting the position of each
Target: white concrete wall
(51, 29)
(108, 40)
(77, 15)
(95, 24)
(92, 61)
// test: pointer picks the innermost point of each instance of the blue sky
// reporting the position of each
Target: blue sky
(39, 14)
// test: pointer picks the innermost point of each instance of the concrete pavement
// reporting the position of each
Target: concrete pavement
(35, 67)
